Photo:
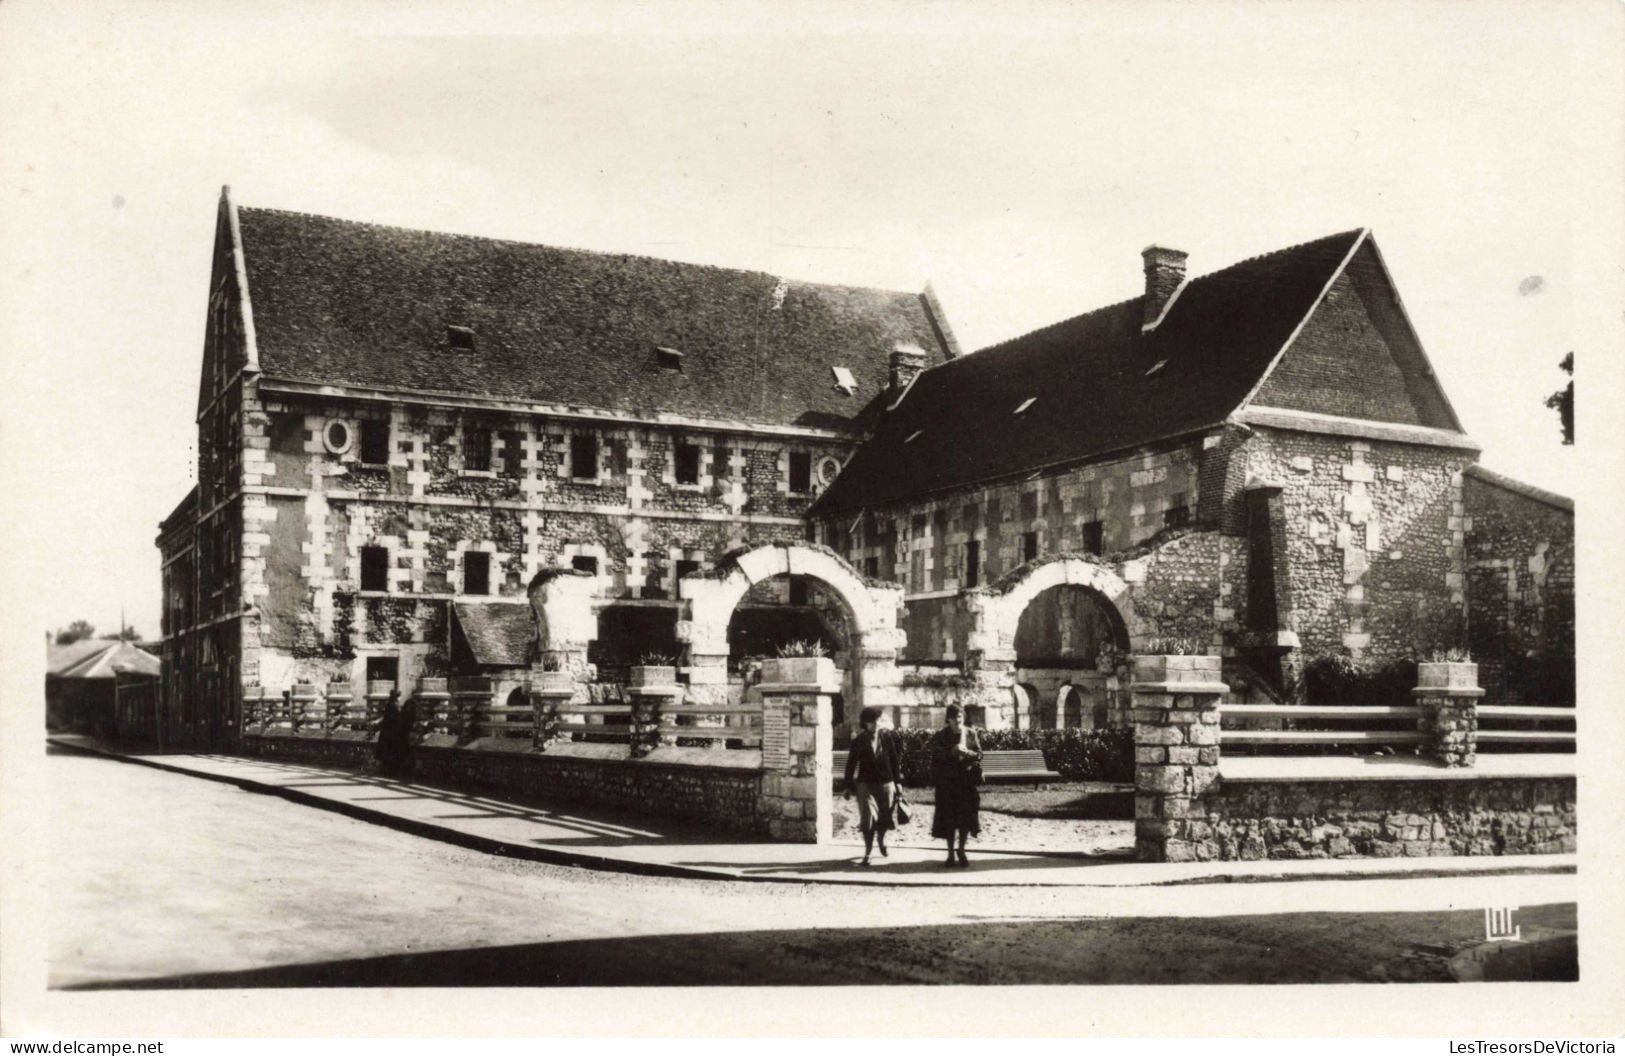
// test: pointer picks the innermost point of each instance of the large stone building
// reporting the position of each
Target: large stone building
(399, 431)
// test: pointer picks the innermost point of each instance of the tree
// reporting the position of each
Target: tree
(76, 631)
(1562, 401)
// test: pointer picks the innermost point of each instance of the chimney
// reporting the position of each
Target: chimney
(907, 360)
(1164, 271)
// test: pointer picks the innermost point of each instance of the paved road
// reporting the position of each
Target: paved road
(164, 880)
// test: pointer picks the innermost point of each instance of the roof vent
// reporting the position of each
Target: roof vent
(844, 380)
(668, 358)
(460, 338)
(1028, 402)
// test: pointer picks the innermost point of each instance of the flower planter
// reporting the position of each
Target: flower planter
(652, 675)
(552, 683)
(799, 671)
(1452, 674)
(1164, 668)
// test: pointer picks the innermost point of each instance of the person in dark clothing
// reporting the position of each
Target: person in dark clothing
(876, 763)
(956, 764)
(393, 737)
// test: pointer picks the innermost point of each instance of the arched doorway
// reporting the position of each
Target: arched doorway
(1064, 637)
(1056, 623)
(870, 639)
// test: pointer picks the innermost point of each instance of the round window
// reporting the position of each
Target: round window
(336, 436)
(827, 470)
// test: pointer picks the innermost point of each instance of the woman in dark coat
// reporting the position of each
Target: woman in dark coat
(956, 763)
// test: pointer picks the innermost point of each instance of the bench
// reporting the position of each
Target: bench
(996, 766)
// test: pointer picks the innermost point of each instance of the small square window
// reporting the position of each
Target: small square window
(382, 668)
(686, 458)
(1094, 534)
(460, 338)
(375, 441)
(686, 568)
(1029, 546)
(800, 471)
(584, 456)
(477, 449)
(585, 563)
(476, 572)
(668, 358)
(374, 568)
(1177, 516)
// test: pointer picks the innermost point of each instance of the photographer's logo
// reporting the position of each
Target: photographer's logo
(1498, 926)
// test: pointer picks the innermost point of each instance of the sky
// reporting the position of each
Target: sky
(1019, 160)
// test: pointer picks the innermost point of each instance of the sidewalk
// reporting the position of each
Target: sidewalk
(624, 842)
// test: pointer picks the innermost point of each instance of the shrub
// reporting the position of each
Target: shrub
(1339, 680)
(802, 647)
(1077, 755)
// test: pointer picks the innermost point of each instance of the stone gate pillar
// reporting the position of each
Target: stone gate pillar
(1176, 756)
(796, 795)
(561, 599)
(1448, 695)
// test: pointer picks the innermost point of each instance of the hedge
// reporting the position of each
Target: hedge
(1077, 755)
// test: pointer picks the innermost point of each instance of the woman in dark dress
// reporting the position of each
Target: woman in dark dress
(956, 763)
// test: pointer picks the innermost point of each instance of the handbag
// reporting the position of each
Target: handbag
(901, 808)
(973, 765)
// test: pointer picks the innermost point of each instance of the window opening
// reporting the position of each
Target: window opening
(476, 572)
(374, 568)
(460, 338)
(668, 358)
(383, 668)
(584, 456)
(687, 463)
(1029, 546)
(800, 471)
(375, 441)
(686, 568)
(477, 449)
(973, 563)
(585, 563)
(1094, 537)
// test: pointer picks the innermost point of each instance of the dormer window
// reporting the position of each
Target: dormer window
(668, 358)
(1028, 402)
(460, 338)
(844, 381)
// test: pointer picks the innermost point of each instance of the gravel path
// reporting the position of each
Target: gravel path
(1004, 830)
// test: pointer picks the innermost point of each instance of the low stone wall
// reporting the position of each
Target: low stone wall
(1384, 819)
(669, 782)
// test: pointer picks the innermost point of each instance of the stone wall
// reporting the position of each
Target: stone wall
(924, 545)
(668, 783)
(1375, 544)
(428, 507)
(1389, 818)
(1520, 576)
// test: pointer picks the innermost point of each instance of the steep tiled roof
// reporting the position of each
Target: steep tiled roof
(498, 633)
(100, 659)
(1098, 384)
(338, 302)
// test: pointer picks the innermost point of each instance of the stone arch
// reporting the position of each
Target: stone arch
(710, 597)
(996, 612)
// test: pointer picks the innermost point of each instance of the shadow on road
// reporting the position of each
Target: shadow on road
(1275, 948)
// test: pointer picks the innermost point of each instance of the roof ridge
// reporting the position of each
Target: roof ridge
(1353, 232)
(580, 250)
